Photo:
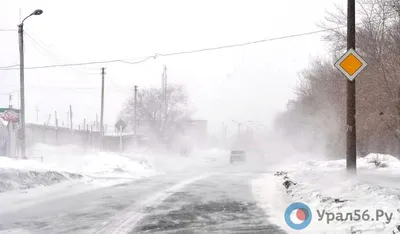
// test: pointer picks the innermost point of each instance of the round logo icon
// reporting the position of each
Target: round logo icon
(298, 216)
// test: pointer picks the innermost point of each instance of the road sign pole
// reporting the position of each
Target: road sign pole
(351, 147)
(120, 138)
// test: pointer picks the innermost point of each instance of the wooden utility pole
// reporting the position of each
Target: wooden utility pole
(351, 147)
(102, 104)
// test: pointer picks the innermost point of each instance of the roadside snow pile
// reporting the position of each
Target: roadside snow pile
(326, 187)
(26, 174)
(68, 163)
(92, 164)
(382, 162)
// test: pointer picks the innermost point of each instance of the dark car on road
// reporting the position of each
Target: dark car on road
(237, 156)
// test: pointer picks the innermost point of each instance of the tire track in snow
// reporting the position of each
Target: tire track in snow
(132, 215)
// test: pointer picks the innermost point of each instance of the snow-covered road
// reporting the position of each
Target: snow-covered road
(162, 193)
(216, 198)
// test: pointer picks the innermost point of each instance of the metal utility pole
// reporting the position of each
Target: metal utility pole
(97, 122)
(22, 80)
(164, 106)
(165, 92)
(240, 124)
(22, 89)
(55, 119)
(56, 124)
(351, 149)
(102, 104)
(70, 116)
(67, 119)
(37, 115)
(135, 113)
(11, 136)
(10, 101)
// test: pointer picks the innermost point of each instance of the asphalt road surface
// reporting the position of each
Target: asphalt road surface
(210, 200)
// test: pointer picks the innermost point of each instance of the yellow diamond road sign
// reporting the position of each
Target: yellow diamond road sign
(351, 64)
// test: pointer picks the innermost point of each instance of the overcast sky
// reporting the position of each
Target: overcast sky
(245, 83)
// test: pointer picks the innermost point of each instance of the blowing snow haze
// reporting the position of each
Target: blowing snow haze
(198, 116)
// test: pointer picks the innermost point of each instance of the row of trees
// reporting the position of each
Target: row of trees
(316, 118)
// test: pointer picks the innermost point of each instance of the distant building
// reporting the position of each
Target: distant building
(194, 132)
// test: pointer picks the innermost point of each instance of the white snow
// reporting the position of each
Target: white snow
(91, 163)
(170, 162)
(51, 172)
(320, 182)
(69, 170)
(64, 171)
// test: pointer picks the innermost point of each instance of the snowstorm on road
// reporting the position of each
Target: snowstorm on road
(200, 200)
(186, 117)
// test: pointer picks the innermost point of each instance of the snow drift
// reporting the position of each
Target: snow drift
(48, 165)
(325, 185)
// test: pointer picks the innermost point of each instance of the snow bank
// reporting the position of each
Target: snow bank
(48, 165)
(26, 174)
(325, 185)
(92, 163)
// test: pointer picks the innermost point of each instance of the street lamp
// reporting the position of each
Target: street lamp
(21, 80)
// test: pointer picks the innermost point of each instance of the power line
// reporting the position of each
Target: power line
(73, 88)
(47, 52)
(10, 66)
(85, 63)
(145, 58)
(244, 44)
(9, 92)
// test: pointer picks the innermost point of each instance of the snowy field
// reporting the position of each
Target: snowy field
(325, 186)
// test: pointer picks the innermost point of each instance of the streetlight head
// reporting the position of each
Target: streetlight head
(37, 12)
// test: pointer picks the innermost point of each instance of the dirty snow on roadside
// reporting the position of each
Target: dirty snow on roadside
(326, 187)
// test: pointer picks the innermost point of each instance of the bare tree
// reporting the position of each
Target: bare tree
(151, 110)
(378, 87)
